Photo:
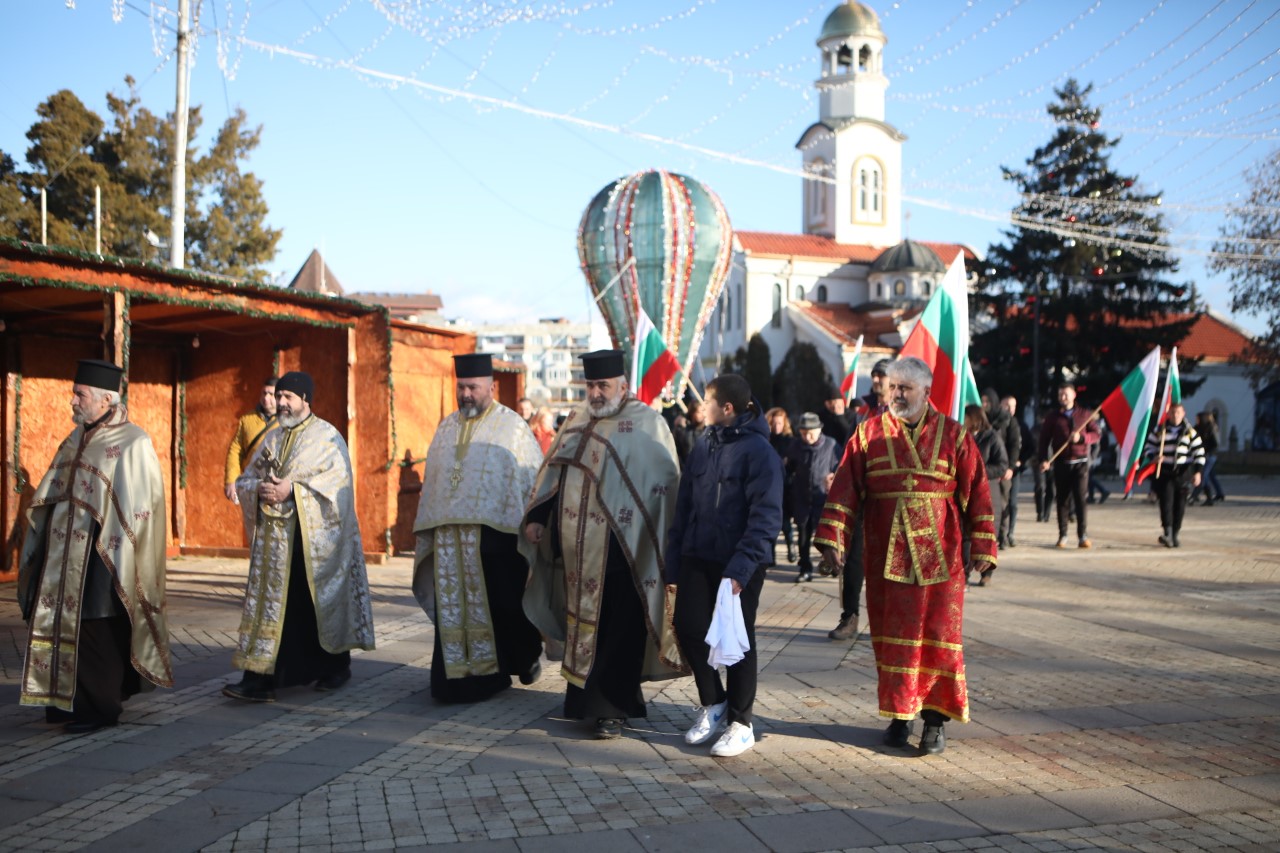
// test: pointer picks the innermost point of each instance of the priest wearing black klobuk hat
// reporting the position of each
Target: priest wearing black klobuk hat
(306, 603)
(92, 572)
(468, 573)
(601, 509)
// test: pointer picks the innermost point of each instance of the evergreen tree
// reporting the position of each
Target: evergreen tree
(802, 381)
(752, 363)
(1088, 255)
(131, 161)
(1247, 252)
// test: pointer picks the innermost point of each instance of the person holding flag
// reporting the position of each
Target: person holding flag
(1176, 454)
(1065, 439)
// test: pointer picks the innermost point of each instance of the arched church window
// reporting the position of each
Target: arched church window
(822, 293)
(879, 290)
(899, 288)
(726, 316)
(799, 292)
(928, 288)
(776, 322)
(864, 58)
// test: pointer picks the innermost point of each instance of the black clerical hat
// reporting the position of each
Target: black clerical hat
(97, 373)
(472, 364)
(602, 364)
(299, 383)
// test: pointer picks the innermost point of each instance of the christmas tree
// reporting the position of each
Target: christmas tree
(1079, 290)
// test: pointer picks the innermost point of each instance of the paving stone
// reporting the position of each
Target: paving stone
(1095, 717)
(282, 777)
(916, 823)
(1265, 786)
(684, 837)
(798, 833)
(1169, 712)
(1112, 805)
(1201, 796)
(1017, 813)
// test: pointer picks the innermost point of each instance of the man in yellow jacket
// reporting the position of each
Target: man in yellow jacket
(252, 428)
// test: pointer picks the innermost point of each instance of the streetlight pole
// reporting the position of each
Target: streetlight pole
(178, 213)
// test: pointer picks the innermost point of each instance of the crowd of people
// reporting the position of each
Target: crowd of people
(625, 548)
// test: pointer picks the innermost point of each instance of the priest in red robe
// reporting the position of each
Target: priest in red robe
(922, 483)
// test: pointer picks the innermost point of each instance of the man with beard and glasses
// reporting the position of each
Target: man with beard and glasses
(922, 485)
(468, 573)
(593, 532)
(92, 571)
(250, 431)
(306, 604)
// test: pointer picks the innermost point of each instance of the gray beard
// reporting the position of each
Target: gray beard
(470, 412)
(906, 414)
(607, 409)
(290, 421)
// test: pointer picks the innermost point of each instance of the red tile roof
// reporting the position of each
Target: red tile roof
(824, 248)
(845, 322)
(1212, 339)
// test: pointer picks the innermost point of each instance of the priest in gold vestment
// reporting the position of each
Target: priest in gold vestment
(593, 532)
(306, 603)
(92, 572)
(468, 573)
(921, 480)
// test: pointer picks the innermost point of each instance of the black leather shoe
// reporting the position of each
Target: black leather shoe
(933, 741)
(84, 727)
(57, 715)
(609, 728)
(898, 734)
(333, 681)
(249, 694)
(532, 673)
(804, 577)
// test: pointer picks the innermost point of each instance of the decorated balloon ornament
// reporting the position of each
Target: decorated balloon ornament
(663, 241)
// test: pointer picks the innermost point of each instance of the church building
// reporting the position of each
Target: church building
(849, 272)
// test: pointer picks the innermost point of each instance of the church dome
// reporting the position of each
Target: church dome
(851, 19)
(909, 256)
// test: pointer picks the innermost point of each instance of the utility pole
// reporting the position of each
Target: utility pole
(178, 214)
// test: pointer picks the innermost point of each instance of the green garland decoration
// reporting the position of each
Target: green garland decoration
(182, 433)
(19, 484)
(230, 307)
(114, 262)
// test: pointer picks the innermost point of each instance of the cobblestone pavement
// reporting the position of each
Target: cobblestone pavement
(1123, 698)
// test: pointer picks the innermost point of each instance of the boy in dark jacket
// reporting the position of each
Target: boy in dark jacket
(811, 460)
(728, 513)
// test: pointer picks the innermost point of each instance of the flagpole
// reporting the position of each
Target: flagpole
(1160, 458)
(630, 263)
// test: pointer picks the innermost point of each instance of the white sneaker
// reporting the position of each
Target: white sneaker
(737, 740)
(711, 721)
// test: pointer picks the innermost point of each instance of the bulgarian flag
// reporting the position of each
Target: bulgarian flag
(941, 340)
(1128, 413)
(849, 385)
(652, 364)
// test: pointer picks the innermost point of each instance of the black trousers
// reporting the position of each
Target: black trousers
(1171, 490)
(1009, 516)
(852, 576)
(1044, 491)
(1071, 483)
(104, 675)
(807, 518)
(695, 604)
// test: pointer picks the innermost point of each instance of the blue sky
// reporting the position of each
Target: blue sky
(407, 188)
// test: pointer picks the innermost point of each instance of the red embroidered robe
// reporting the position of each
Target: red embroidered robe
(924, 491)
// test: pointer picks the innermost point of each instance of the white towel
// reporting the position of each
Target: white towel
(727, 635)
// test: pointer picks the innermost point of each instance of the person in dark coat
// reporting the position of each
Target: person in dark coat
(994, 457)
(1066, 437)
(811, 462)
(1026, 452)
(727, 516)
(1002, 422)
(687, 429)
(780, 437)
(837, 420)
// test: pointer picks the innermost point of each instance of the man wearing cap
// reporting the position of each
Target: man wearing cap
(306, 604)
(922, 482)
(837, 421)
(593, 534)
(876, 401)
(811, 462)
(250, 431)
(91, 576)
(468, 573)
